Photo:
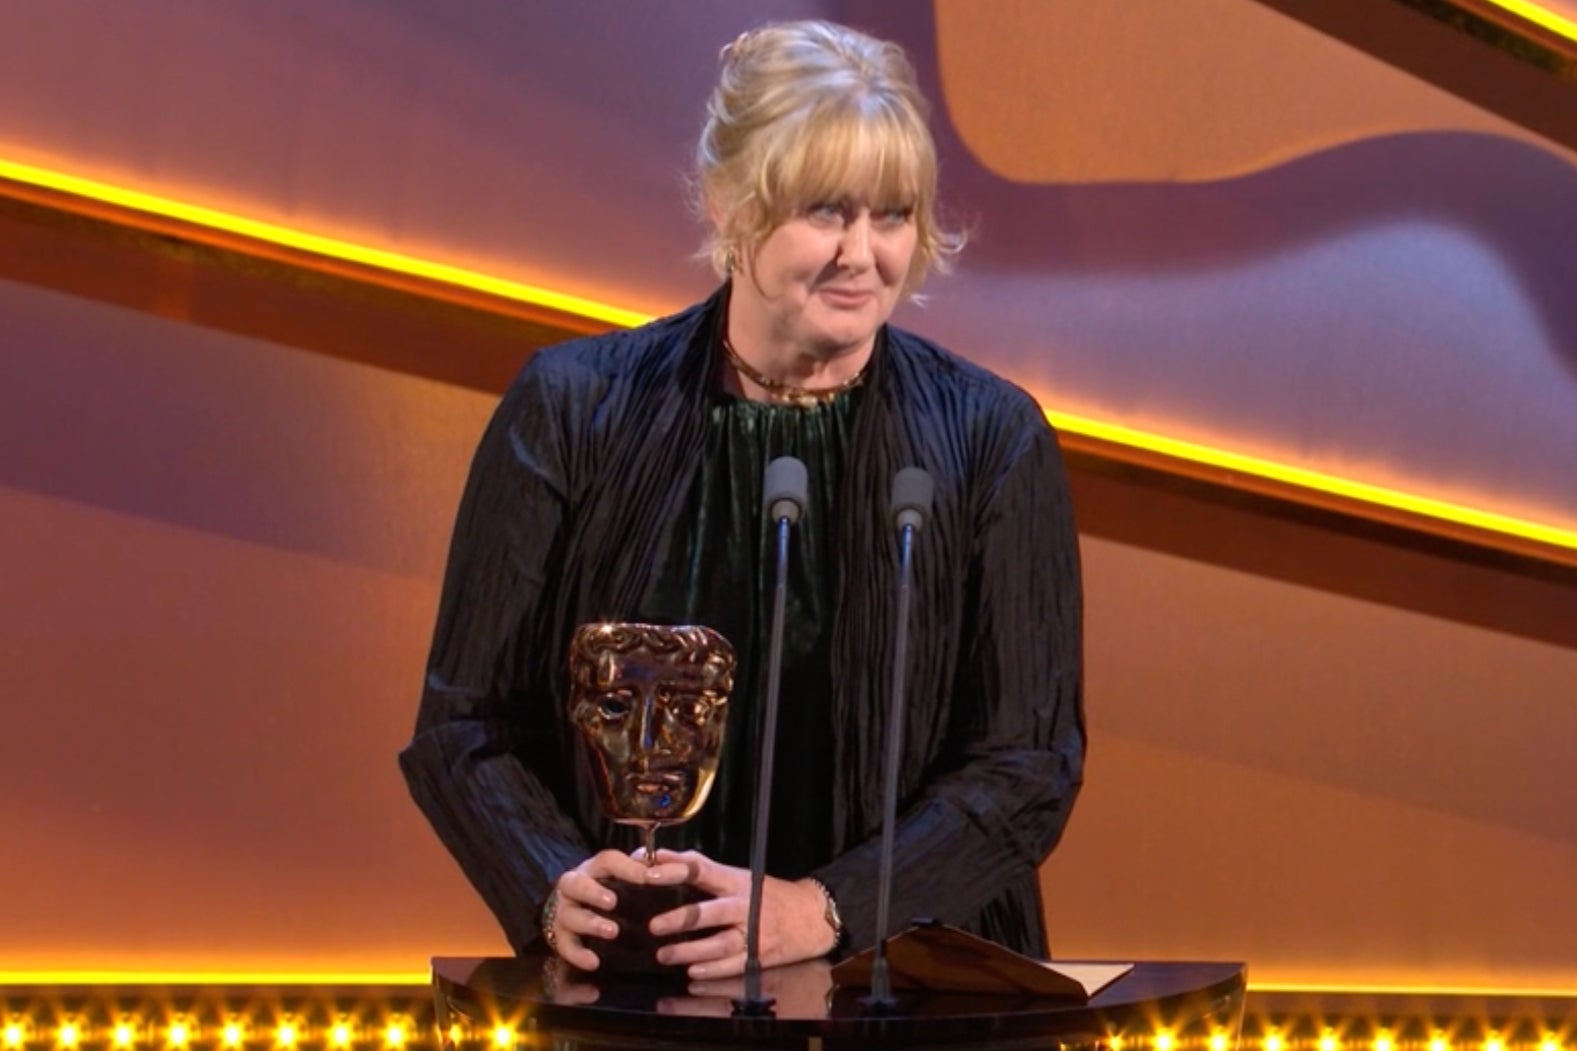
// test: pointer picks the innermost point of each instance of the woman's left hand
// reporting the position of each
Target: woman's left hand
(793, 917)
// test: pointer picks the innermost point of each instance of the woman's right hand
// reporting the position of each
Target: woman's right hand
(583, 904)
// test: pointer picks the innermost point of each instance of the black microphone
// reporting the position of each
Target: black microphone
(783, 490)
(911, 505)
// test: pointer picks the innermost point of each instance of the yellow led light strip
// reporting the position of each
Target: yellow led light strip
(328, 247)
(1563, 540)
(1563, 27)
(1332, 989)
(244, 978)
(422, 978)
(1301, 478)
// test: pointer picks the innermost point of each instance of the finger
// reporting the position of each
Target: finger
(694, 1007)
(668, 873)
(725, 989)
(584, 922)
(576, 994)
(725, 943)
(615, 864)
(575, 953)
(728, 967)
(582, 889)
(715, 878)
(693, 862)
(700, 915)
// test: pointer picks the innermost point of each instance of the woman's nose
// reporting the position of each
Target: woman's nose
(854, 249)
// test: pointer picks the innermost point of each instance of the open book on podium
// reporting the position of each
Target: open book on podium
(933, 957)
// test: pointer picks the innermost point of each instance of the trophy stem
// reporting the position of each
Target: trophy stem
(650, 832)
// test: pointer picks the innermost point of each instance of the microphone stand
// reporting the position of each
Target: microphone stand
(912, 490)
(785, 487)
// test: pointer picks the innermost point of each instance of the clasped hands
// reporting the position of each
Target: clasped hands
(793, 913)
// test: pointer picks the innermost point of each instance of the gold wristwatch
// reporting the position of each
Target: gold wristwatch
(834, 918)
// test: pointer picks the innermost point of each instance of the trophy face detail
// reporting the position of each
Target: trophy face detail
(650, 702)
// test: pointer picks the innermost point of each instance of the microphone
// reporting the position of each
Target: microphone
(911, 505)
(911, 502)
(783, 490)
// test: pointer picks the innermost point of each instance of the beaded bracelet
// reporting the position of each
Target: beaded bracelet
(550, 913)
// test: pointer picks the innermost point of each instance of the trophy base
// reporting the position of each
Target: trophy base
(634, 951)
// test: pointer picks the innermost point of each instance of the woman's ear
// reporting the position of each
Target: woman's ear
(717, 213)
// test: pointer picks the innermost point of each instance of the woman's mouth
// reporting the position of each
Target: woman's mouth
(846, 297)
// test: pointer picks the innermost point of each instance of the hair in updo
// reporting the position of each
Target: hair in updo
(812, 112)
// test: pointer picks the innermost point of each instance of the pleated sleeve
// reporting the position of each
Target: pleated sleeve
(992, 807)
(485, 753)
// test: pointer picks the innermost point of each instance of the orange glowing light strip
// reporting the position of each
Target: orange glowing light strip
(142, 979)
(1564, 540)
(1384, 989)
(328, 247)
(1539, 16)
(351, 979)
(239, 978)
(1301, 478)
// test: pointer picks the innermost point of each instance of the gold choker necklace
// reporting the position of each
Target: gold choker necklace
(780, 393)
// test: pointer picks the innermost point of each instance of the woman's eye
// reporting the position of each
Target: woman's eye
(894, 216)
(828, 211)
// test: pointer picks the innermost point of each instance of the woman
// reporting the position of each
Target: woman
(620, 480)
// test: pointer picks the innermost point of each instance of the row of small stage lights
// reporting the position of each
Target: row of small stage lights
(28, 1032)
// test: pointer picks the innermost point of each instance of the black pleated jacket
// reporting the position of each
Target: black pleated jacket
(592, 448)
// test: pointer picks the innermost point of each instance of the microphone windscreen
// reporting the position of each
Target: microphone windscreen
(783, 489)
(912, 489)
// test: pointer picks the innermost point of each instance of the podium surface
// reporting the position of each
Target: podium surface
(566, 1009)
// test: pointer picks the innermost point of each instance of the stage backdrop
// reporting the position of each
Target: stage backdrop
(219, 558)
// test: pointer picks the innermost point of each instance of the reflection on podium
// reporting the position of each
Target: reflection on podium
(566, 1008)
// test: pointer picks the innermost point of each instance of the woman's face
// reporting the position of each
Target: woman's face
(829, 276)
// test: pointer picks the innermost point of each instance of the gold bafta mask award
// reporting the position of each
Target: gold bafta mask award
(650, 703)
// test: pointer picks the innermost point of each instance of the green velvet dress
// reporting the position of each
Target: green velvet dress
(719, 567)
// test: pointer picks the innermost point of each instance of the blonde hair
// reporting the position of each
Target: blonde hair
(811, 112)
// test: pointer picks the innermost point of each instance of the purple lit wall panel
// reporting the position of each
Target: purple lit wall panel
(1396, 306)
(266, 444)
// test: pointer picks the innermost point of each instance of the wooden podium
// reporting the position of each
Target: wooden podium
(563, 1009)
